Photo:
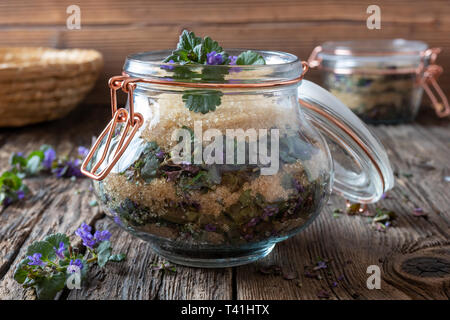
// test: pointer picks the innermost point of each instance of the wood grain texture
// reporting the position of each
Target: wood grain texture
(118, 28)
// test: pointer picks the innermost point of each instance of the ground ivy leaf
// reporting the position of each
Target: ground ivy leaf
(55, 239)
(47, 288)
(202, 101)
(33, 164)
(20, 274)
(249, 58)
(150, 169)
(103, 253)
(117, 257)
(43, 247)
(188, 41)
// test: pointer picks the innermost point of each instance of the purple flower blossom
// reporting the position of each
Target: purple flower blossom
(84, 232)
(20, 194)
(214, 58)
(169, 67)
(269, 211)
(117, 220)
(232, 60)
(210, 227)
(49, 157)
(83, 151)
(70, 168)
(321, 265)
(103, 235)
(253, 222)
(75, 266)
(160, 154)
(35, 260)
(7, 201)
(60, 251)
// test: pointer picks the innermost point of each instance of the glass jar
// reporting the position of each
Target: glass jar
(382, 81)
(213, 165)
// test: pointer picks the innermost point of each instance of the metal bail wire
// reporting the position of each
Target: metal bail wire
(133, 121)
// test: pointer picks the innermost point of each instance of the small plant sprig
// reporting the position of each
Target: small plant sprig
(49, 263)
(193, 50)
(44, 160)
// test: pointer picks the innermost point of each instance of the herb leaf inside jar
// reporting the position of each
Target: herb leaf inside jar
(195, 50)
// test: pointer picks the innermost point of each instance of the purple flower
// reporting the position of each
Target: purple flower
(169, 67)
(160, 154)
(49, 157)
(20, 194)
(321, 265)
(70, 168)
(232, 60)
(83, 151)
(253, 222)
(102, 235)
(214, 58)
(117, 220)
(7, 201)
(269, 211)
(84, 232)
(35, 260)
(60, 251)
(210, 227)
(75, 266)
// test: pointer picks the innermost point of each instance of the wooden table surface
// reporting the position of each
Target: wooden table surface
(413, 254)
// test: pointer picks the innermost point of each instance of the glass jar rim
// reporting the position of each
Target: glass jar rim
(280, 66)
(372, 48)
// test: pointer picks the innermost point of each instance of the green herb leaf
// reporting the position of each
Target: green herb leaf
(55, 239)
(202, 101)
(188, 41)
(43, 247)
(33, 165)
(249, 58)
(47, 288)
(103, 253)
(20, 274)
(117, 257)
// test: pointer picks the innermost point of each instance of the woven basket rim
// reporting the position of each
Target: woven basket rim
(66, 57)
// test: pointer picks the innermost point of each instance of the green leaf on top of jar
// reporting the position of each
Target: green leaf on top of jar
(192, 50)
(249, 58)
(202, 101)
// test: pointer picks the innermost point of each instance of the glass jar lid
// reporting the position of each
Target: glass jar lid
(362, 172)
(377, 54)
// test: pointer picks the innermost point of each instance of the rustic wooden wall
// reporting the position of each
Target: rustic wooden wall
(117, 28)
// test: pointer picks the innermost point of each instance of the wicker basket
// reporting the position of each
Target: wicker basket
(41, 84)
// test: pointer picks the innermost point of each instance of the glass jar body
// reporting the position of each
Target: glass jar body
(379, 80)
(376, 98)
(256, 173)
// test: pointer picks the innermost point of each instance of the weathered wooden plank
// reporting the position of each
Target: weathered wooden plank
(51, 12)
(413, 255)
(134, 279)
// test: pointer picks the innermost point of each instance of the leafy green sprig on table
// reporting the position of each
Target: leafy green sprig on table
(44, 160)
(193, 50)
(49, 264)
